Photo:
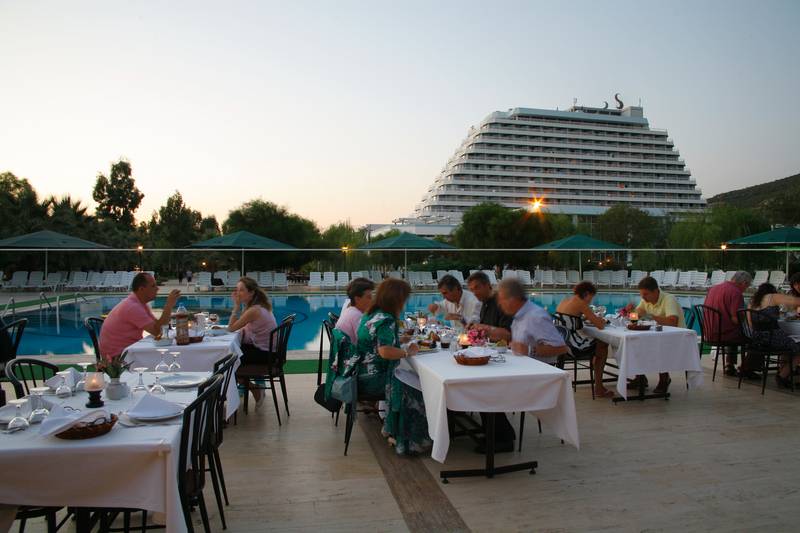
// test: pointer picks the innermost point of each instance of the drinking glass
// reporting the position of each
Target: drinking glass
(140, 386)
(174, 366)
(79, 385)
(162, 366)
(39, 412)
(63, 390)
(157, 388)
(19, 422)
(213, 317)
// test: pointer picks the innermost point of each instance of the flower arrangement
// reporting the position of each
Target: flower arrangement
(114, 366)
(476, 337)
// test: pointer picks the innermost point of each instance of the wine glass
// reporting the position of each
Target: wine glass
(174, 366)
(82, 383)
(19, 422)
(157, 388)
(140, 386)
(162, 366)
(39, 412)
(63, 390)
(213, 317)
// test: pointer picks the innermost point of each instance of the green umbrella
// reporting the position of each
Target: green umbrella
(48, 240)
(578, 243)
(780, 236)
(406, 242)
(242, 240)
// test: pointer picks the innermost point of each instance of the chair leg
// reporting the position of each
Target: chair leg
(741, 374)
(218, 461)
(591, 374)
(539, 422)
(283, 390)
(126, 521)
(348, 428)
(764, 377)
(716, 360)
(144, 521)
(337, 417)
(51, 521)
(203, 513)
(521, 429)
(275, 399)
(212, 468)
(187, 515)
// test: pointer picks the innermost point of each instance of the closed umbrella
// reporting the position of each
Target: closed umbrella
(579, 243)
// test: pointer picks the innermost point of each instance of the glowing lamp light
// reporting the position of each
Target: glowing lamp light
(536, 204)
(723, 247)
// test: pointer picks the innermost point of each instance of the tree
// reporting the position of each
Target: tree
(116, 195)
(342, 234)
(175, 225)
(630, 227)
(20, 210)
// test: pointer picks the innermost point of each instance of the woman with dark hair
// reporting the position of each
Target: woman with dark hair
(794, 285)
(377, 354)
(359, 294)
(256, 322)
(571, 313)
(767, 332)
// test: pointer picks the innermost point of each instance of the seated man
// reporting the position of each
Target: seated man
(458, 304)
(492, 320)
(532, 331)
(497, 326)
(727, 298)
(665, 310)
(129, 318)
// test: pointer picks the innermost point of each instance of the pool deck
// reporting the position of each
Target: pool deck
(711, 459)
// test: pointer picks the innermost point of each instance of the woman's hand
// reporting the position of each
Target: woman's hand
(412, 349)
(235, 297)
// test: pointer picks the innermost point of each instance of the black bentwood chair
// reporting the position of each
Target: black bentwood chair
(10, 337)
(761, 347)
(25, 374)
(578, 358)
(710, 321)
(93, 325)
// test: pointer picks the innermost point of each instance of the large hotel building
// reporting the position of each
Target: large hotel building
(580, 162)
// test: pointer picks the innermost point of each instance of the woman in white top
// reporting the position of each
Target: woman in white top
(359, 291)
(256, 322)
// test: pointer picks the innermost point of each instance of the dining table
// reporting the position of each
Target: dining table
(505, 384)
(194, 357)
(129, 467)
(672, 349)
(791, 327)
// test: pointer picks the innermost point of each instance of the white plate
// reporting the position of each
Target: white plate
(154, 418)
(180, 381)
(217, 332)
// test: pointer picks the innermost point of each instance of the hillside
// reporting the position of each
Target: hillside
(759, 195)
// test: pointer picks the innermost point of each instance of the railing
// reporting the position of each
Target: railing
(11, 305)
(43, 300)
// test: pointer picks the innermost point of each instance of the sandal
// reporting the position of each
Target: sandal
(605, 393)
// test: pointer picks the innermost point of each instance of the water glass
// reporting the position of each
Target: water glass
(38, 411)
(157, 388)
(174, 366)
(140, 386)
(80, 384)
(19, 422)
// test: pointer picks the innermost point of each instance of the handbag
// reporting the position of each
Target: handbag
(331, 404)
(344, 389)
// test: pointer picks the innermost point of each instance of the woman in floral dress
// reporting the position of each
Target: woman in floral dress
(377, 354)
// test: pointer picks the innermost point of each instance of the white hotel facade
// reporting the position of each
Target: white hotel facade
(580, 162)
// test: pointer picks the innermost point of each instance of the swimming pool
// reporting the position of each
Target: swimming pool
(61, 332)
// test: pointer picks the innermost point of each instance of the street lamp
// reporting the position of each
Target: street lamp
(723, 247)
(139, 250)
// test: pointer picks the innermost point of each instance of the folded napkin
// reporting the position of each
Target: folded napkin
(478, 351)
(71, 377)
(150, 406)
(61, 419)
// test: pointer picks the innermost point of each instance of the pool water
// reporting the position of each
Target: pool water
(62, 332)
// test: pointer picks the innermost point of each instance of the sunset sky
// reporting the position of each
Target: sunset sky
(347, 110)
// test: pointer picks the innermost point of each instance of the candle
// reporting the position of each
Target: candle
(634, 317)
(94, 382)
(463, 340)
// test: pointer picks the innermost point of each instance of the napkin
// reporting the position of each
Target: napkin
(150, 406)
(61, 419)
(478, 351)
(71, 377)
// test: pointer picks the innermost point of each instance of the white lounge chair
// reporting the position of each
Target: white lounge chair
(427, 280)
(375, 276)
(776, 278)
(573, 277)
(314, 280)
(280, 280)
(35, 280)
(94, 281)
(537, 277)
(524, 277)
(560, 278)
(636, 277)
(685, 279)
(223, 276)
(459, 276)
(440, 274)
(717, 277)
(619, 278)
(253, 275)
(53, 281)
(328, 280)
(670, 279)
(658, 275)
(394, 274)
(266, 279)
(590, 275)
(510, 274)
(729, 275)
(203, 281)
(342, 279)
(699, 280)
(492, 277)
(233, 278)
(77, 281)
(110, 281)
(761, 277)
(471, 272)
(548, 279)
(603, 278)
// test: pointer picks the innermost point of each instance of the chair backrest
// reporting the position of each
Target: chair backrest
(19, 277)
(560, 277)
(573, 277)
(197, 428)
(10, 337)
(333, 318)
(224, 367)
(93, 325)
(279, 340)
(710, 321)
(524, 276)
(24, 373)
(748, 318)
(327, 329)
(571, 324)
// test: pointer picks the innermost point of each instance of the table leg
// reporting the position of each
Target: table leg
(490, 470)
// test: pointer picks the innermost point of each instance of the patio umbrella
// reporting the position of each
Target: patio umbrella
(242, 240)
(779, 236)
(49, 240)
(406, 242)
(579, 243)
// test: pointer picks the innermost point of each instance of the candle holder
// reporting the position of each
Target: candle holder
(94, 399)
(95, 382)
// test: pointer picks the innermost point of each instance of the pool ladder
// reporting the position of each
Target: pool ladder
(11, 305)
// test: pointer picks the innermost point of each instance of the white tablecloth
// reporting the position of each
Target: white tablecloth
(519, 384)
(643, 352)
(791, 327)
(128, 467)
(197, 357)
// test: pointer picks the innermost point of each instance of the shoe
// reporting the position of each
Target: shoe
(633, 384)
(499, 447)
(749, 374)
(785, 383)
(730, 370)
(662, 386)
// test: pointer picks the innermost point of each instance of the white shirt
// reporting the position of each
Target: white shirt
(533, 325)
(469, 307)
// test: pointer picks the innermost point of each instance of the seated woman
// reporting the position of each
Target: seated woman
(578, 305)
(377, 354)
(256, 322)
(768, 333)
(794, 285)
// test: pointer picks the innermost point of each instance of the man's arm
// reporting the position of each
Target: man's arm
(154, 328)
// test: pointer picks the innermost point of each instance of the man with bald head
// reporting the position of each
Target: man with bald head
(125, 323)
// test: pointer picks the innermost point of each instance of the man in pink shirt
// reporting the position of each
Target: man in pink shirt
(360, 293)
(125, 323)
(727, 298)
